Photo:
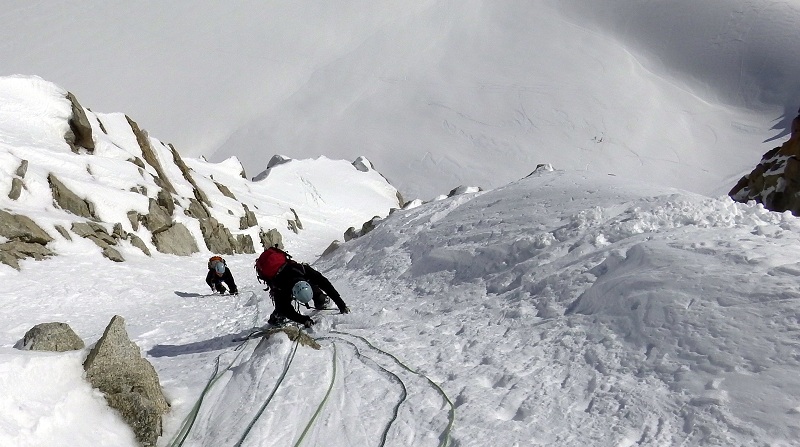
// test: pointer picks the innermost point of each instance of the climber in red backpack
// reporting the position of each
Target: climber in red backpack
(289, 280)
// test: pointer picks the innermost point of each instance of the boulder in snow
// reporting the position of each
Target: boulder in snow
(58, 337)
(129, 382)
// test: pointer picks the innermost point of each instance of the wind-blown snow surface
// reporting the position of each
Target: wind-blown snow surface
(436, 93)
(566, 309)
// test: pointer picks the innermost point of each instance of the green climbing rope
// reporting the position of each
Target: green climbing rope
(271, 395)
(451, 413)
(321, 404)
(188, 421)
(393, 377)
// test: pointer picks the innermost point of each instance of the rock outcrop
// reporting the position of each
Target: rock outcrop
(104, 171)
(294, 224)
(80, 130)
(175, 240)
(68, 200)
(271, 238)
(128, 381)
(57, 337)
(17, 182)
(368, 226)
(25, 239)
(775, 181)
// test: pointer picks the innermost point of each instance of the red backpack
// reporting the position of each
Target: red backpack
(270, 263)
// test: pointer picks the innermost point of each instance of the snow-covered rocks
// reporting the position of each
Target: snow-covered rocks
(64, 165)
(775, 181)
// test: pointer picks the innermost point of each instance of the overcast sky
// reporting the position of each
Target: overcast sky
(436, 93)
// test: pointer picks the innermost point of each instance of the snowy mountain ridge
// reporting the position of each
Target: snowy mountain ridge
(132, 195)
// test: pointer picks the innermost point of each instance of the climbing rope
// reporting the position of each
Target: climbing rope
(321, 404)
(286, 366)
(445, 437)
(393, 377)
(188, 421)
(191, 417)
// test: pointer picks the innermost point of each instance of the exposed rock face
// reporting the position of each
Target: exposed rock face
(295, 225)
(16, 188)
(331, 248)
(134, 218)
(220, 240)
(14, 251)
(68, 200)
(368, 226)
(187, 175)
(128, 381)
(248, 220)
(98, 234)
(171, 198)
(22, 169)
(244, 244)
(58, 337)
(197, 210)
(23, 228)
(150, 155)
(271, 238)
(137, 242)
(225, 191)
(775, 181)
(16, 183)
(63, 232)
(175, 240)
(80, 130)
(26, 239)
(158, 218)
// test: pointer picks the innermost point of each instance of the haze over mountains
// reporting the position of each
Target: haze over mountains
(566, 308)
(435, 93)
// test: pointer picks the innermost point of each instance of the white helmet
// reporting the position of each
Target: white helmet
(301, 291)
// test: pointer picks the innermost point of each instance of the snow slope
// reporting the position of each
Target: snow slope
(563, 309)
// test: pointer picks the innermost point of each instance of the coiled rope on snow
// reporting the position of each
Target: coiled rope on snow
(393, 377)
(451, 414)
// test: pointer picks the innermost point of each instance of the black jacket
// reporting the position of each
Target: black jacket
(281, 289)
(214, 281)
